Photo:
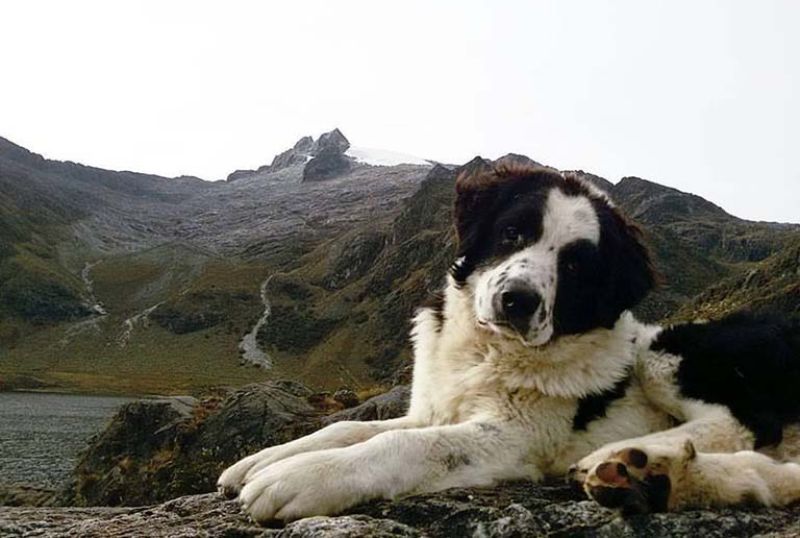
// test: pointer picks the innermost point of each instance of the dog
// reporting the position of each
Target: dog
(532, 366)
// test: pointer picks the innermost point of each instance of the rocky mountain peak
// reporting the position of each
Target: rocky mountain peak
(331, 141)
(511, 159)
(477, 165)
(328, 158)
(325, 156)
(304, 144)
(652, 202)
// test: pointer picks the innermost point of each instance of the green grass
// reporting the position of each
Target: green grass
(155, 360)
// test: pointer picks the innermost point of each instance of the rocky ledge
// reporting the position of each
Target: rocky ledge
(518, 509)
(160, 450)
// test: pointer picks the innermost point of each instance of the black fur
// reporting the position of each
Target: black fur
(749, 364)
(656, 490)
(594, 406)
(597, 283)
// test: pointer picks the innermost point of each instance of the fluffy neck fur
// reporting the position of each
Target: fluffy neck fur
(572, 366)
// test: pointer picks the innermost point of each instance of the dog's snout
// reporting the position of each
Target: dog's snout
(518, 304)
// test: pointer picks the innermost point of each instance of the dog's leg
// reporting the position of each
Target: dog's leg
(665, 477)
(711, 428)
(339, 434)
(389, 465)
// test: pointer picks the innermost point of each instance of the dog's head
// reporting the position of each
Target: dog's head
(545, 254)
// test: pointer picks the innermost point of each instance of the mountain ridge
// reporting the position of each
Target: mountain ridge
(177, 265)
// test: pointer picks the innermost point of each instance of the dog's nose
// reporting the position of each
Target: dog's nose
(518, 305)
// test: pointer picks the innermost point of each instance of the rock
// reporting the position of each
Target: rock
(511, 159)
(328, 163)
(345, 527)
(238, 174)
(288, 158)
(391, 404)
(154, 451)
(333, 140)
(304, 145)
(202, 437)
(509, 510)
(328, 160)
(346, 397)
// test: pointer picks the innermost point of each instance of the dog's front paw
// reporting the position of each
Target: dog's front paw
(310, 484)
(638, 480)
(233, 479)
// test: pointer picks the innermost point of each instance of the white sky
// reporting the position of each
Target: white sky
(700, 95)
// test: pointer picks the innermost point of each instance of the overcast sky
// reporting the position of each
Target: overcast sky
(700, 95)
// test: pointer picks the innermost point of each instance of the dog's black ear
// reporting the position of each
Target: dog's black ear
(631, 272)
(473, 191)
(469, 213)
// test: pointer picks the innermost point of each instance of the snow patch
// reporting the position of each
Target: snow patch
(382, 157)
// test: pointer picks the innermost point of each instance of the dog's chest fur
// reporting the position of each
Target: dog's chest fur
(462, 373)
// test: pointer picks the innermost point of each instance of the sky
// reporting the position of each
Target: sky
(700, 95)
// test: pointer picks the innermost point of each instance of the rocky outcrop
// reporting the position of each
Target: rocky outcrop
(157, 450)
(321, 159)
(512, 510)
(202, 437)
(515, 159)
(326, 164)
(328, 159)
(333, 140)
(238, 174)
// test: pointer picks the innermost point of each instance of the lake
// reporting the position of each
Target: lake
(41, 435)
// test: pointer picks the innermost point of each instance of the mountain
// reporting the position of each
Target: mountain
(140, 283)
(305, 268)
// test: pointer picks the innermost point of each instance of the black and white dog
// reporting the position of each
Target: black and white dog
(532, 367)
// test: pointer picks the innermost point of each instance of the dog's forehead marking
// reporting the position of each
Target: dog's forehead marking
(567, 219)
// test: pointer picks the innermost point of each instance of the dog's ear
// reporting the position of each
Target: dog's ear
(469, 212)
(631, 271)
(473, 192)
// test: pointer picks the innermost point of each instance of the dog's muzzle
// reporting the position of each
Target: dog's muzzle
(516, 305)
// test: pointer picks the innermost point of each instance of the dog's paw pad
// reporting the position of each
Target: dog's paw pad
(632, 480)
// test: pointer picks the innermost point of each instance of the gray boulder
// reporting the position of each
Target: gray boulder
(333, 140)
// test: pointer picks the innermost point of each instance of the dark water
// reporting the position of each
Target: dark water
(42, 434)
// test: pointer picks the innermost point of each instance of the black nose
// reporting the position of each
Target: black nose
(518, 305)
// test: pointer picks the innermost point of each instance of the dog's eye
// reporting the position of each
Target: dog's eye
(572, 267)
(512, 236)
